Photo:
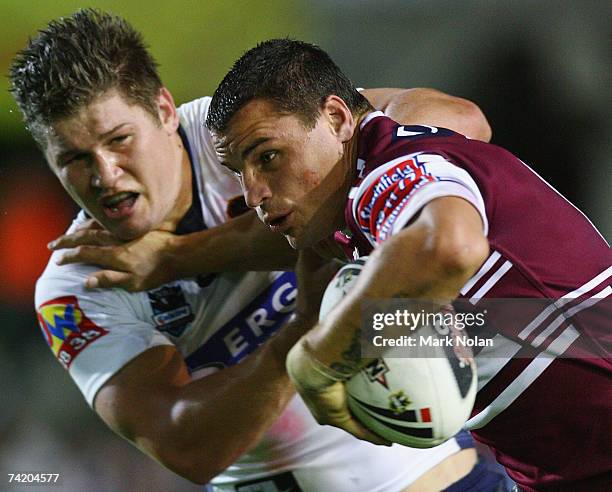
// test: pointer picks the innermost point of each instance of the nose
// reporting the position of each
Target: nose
(105, 170)
(256, 189)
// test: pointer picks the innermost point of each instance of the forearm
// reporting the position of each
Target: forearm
(423, 263)
(260, 382)
(216, 426)
(330, 353)
(242, 244)
(431, 107)
(206, 425)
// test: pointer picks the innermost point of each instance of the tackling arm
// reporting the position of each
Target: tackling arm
(242, 244)
(197, 428)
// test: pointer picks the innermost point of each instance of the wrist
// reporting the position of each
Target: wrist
(307, 372)
(289, 335)
(176, 258)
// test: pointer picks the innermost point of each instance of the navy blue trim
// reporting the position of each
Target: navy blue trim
(215, 352)
(193, 220)
(464, 439)
(283, 482)
(480, 479)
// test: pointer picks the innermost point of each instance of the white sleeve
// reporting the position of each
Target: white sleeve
(392, 194)
(92, 333)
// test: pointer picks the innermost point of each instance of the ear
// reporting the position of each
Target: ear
(167, 111)
(339, 116)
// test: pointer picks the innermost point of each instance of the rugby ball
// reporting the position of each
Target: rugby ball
(417, 402)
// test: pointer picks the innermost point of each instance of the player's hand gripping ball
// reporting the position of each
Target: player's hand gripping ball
(417, 402)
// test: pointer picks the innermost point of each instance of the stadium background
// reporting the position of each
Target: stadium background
(540, 70)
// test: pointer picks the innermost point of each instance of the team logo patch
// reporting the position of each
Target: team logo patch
(66, 328)
(171, 312)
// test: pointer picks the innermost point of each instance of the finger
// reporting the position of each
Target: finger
(106, 279)
(102, 256)
(329, 406)
(343, 419)
(89, 237)
(88, 224)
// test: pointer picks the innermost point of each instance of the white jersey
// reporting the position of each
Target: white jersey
(214, 324)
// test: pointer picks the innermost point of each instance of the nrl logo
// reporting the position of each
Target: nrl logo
(375, 371)
(171, 311)
(399, 402)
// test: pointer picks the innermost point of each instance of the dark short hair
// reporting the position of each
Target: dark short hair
(76, 59)
(296, 76)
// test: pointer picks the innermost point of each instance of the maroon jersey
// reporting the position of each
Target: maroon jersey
(544, 403)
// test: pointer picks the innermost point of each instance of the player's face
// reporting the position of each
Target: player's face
(123, 167)
(289, 173)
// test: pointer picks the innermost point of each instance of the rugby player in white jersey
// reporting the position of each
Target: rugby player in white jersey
(93, 101)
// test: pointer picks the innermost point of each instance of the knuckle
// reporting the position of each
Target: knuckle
(101, 234)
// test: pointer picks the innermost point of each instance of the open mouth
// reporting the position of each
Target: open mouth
(119, 205)
(281, 224)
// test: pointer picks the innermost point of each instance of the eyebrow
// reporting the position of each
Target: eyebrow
(113, 130)
(72, 152)
(67, 155)
(253, 146)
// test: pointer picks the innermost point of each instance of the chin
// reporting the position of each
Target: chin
(300, 242)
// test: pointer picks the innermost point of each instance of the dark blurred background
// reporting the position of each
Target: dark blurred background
(540, 70)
